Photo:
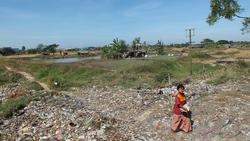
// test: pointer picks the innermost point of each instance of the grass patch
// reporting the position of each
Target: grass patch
(220, 80)
(32, 85)
(201, 55)
(129, 73)
(231, 72)
(12, 105)
(8, 77)
(243, 64)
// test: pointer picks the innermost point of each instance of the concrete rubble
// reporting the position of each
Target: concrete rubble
(101, 114)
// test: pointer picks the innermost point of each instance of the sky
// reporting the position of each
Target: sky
(84, 23)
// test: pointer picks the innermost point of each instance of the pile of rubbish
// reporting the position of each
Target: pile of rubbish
(101, 114)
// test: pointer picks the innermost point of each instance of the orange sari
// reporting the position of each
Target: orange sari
(181, 120)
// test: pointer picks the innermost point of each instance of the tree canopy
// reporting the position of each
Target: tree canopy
(115, 49)
(51, 48)
(207, 41)
(228, 9)
(223, 42)
(136, 43)
(7, 51)
(160, 47)
(119, 45)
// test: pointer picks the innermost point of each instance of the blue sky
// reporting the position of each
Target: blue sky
(83, 23)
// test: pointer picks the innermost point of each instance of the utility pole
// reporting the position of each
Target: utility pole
(190, 34)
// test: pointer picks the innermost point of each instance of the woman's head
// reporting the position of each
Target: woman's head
(180, 88)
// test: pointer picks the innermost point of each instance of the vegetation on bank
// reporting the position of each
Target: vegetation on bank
(236, 71)
(8, 77)
(150, 72)
(19, 98)
(129, 73)
(10, 106)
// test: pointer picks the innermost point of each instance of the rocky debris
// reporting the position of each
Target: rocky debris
(116, 114)
(198, 88)
(11, 91)
(54, 117)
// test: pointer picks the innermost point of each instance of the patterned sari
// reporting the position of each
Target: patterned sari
(181, 120)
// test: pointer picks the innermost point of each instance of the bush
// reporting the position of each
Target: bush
(162, 77)
(33, 86)
(12, 105)
(7, 51)
(115, 49)
(159, 48)
(220, 80)
(243, 64)
(8, 77)
(201, 55)
(112, 55)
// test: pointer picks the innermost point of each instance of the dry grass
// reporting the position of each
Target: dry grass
(21, 56)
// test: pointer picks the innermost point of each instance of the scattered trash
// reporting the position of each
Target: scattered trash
(92, 113)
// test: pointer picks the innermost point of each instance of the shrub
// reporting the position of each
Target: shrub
(12, 105)
(201, 55)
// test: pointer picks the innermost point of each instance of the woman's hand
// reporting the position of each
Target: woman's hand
(184, 109)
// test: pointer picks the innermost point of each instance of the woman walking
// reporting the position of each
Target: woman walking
(181, 114)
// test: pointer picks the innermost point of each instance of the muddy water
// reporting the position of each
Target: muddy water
(67, 60)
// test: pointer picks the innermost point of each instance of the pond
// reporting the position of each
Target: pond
(67, 60)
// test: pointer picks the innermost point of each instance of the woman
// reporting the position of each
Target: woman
(181, 114)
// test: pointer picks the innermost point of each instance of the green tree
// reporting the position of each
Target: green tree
(136, 43)
(115, 49)
(23, 48)
(160, 47)
(7, 51)
(227, 9)
(40, 48)
(32, 51)
(207, 41)
(119, 46)
(51, 48)
(222, 42)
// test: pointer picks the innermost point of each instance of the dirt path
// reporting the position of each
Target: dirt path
(29, 77)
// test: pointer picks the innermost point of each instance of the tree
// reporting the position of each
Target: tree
(207, 41)
(23, 48)
(160, 47)
(136, 43)
(7, 51)
(115, 49)
(227, 9)
(40, 48)
(32, 51)
(51, 48)
(119, 46)
(223, 42)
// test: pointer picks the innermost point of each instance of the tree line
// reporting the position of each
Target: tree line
(41, 48)
(118, 47)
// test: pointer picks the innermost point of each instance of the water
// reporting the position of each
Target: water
(67, 60)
